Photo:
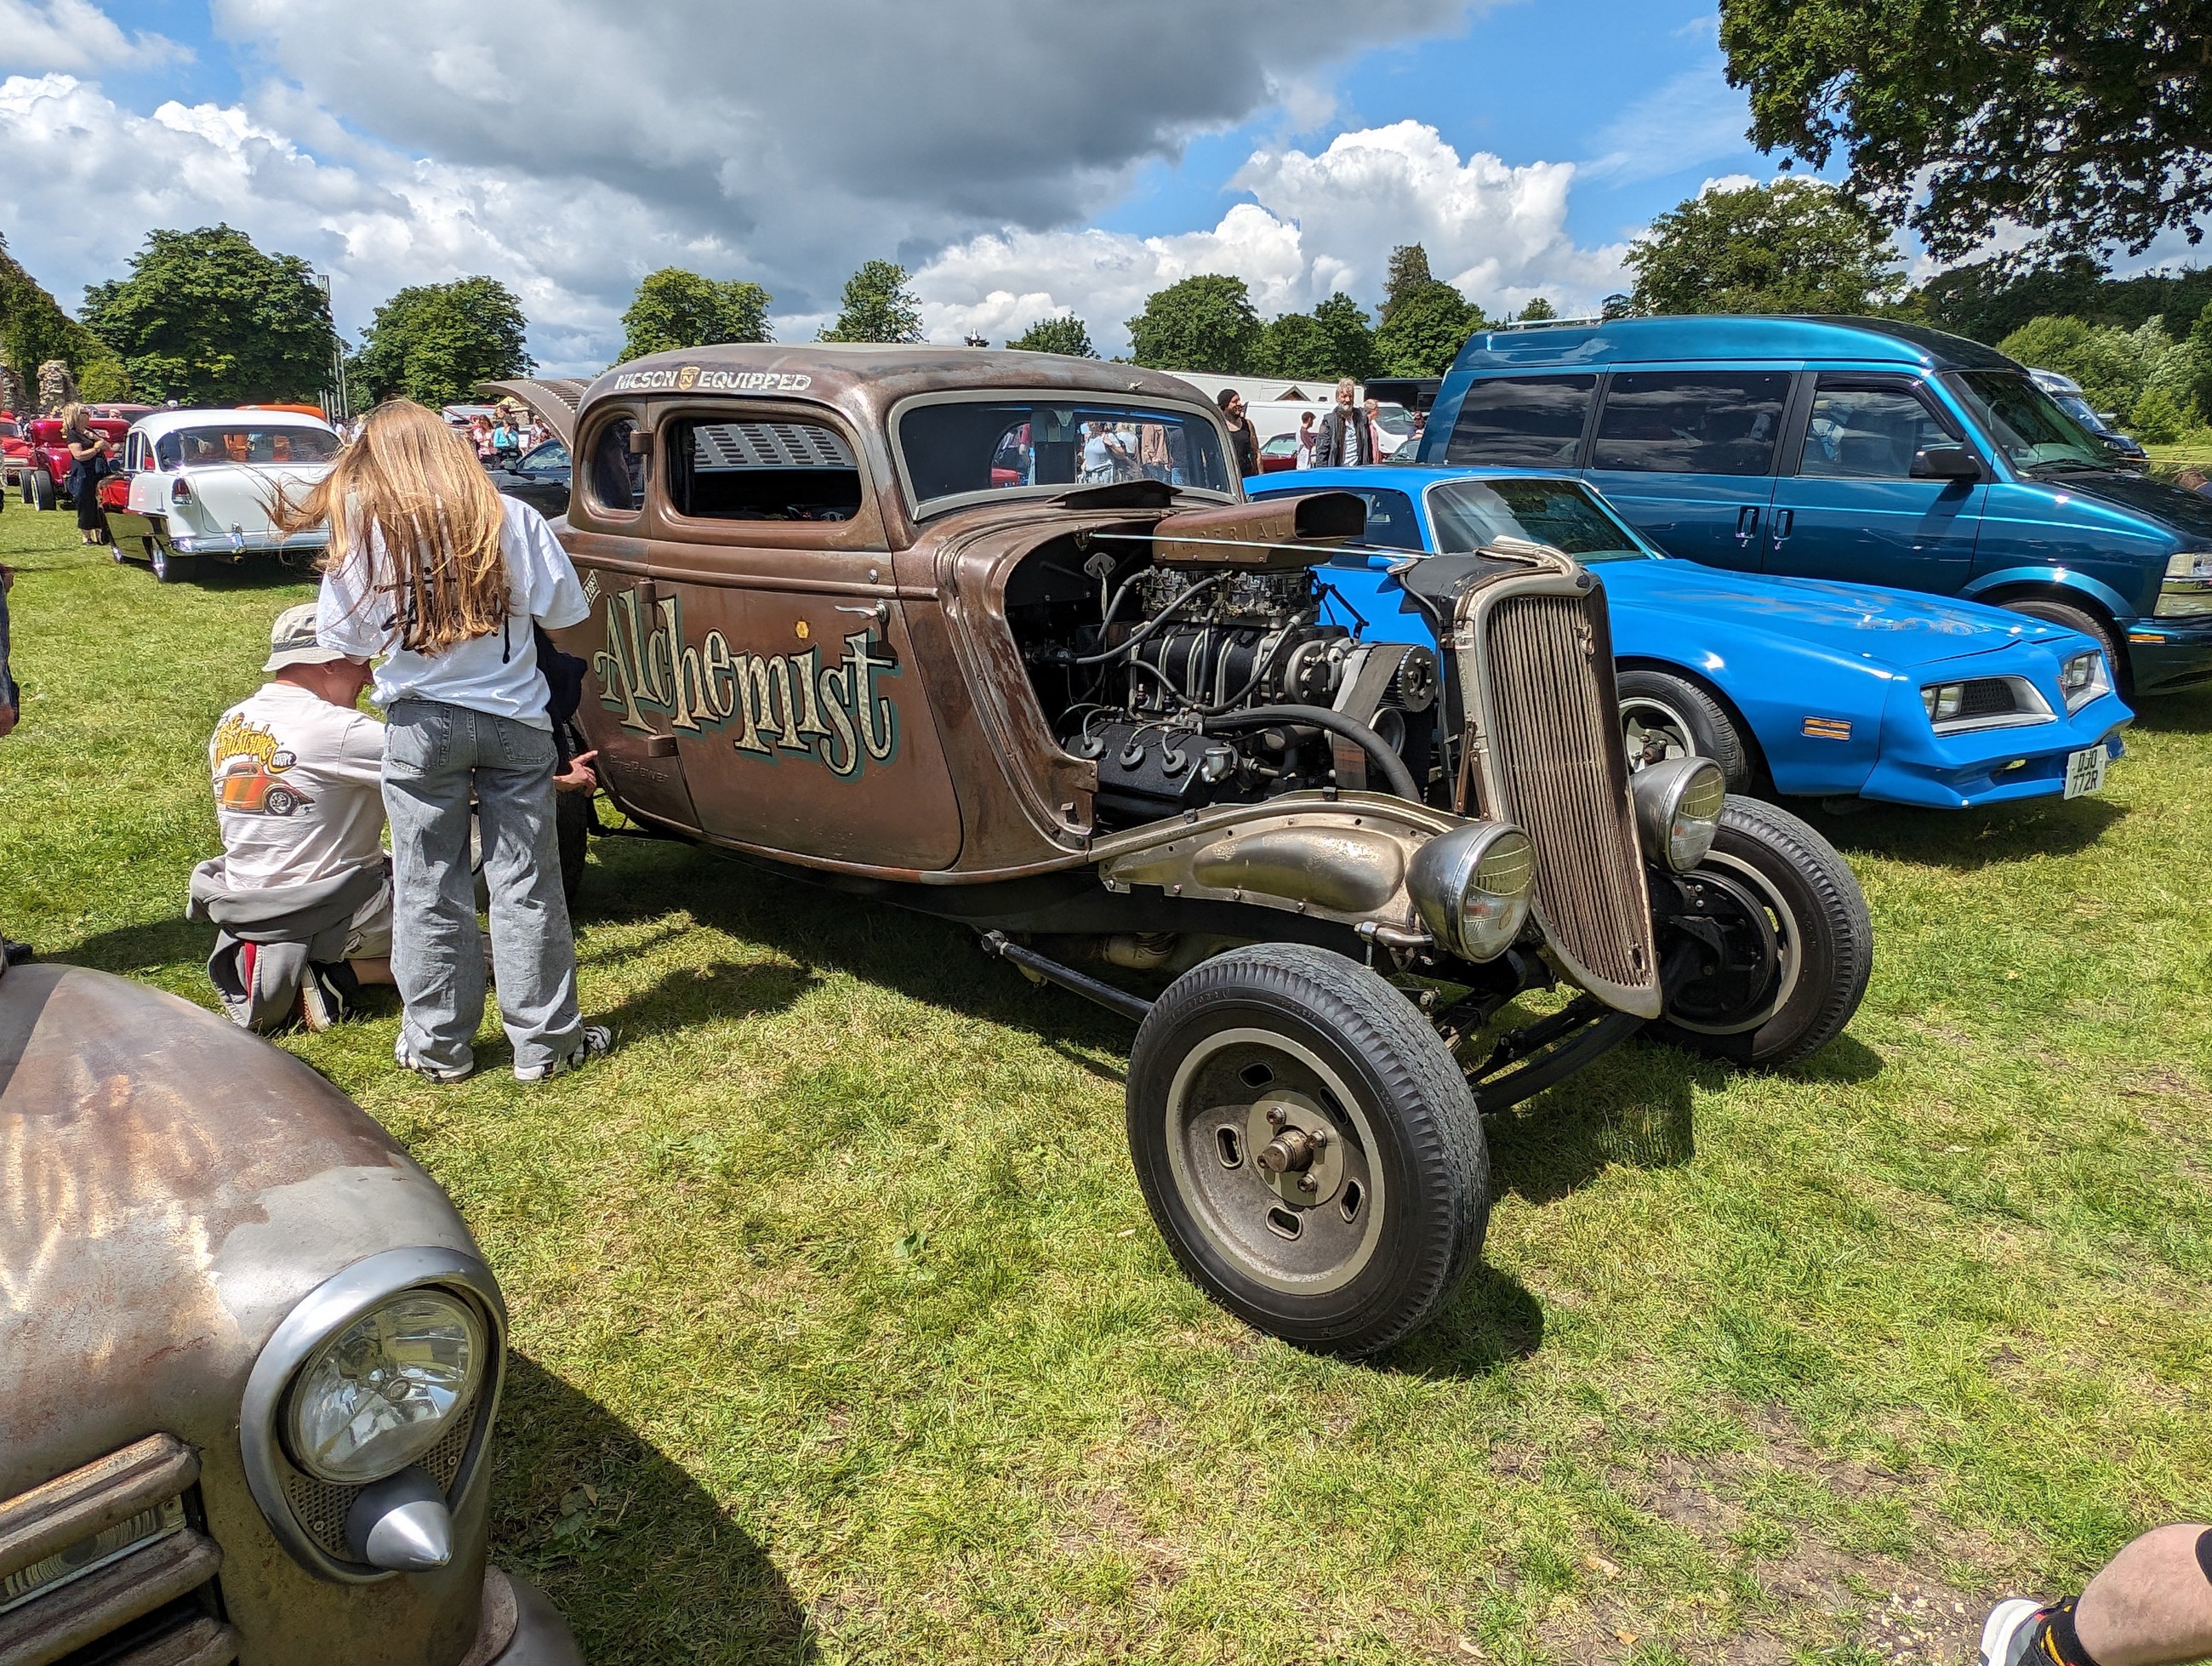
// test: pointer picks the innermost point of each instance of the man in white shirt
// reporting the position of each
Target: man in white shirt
(297, 771)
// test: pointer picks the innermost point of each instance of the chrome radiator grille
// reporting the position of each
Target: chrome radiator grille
(1554, 749)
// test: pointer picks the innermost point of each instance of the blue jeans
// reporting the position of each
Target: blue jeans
(436, 756)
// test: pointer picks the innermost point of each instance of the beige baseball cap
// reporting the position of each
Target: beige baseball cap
(292, 641)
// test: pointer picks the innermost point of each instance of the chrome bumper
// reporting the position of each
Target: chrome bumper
(237, 543)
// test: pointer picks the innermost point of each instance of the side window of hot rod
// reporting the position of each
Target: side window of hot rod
(761, 469)
(615, 478)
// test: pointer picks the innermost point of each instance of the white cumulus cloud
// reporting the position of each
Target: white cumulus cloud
(73, 34)
(1322, 222)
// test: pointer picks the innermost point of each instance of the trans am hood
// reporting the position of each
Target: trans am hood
(1897, 627)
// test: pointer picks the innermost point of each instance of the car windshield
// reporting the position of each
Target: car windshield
(244, 442)
(955, 450)
(2027, 422)
(1470, 513)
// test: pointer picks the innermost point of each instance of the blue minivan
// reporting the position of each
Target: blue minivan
(1849, 449)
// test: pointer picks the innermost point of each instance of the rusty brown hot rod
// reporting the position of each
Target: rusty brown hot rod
(995, 635)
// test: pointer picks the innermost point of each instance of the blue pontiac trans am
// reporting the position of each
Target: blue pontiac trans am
(1798, 686)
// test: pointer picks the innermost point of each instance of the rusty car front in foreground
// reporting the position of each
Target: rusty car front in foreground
(249, 1359)
(995, 635)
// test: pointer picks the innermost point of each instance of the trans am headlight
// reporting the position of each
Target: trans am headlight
(384, 1389)
(1471, 886)
(1678, 809)
(1942, 701)
(2083, 679)
(2188, 586)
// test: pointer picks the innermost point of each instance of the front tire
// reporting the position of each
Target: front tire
(38, 490)
(2096, 630)
(1267, 1068)
(1797, 948)
(1664, 716)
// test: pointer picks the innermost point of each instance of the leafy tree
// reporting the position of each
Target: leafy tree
(876, 307)
(2200, 361)
(205, 318)
(433, 343)
(1409, 274)
(33, 329)
(1057, 334)
(1424, 330)
(2145, 377)
(2086, 121)
(1204, 323)
(1351, 338)
(675, 308)
(1796, 245)
(1294, 345)
(1538, 310)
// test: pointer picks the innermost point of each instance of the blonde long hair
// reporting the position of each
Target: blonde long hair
(76, 421)
(410, 499)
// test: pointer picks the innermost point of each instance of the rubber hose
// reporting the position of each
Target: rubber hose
(1320, 717)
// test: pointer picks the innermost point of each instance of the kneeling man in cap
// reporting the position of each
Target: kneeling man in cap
(301, 895)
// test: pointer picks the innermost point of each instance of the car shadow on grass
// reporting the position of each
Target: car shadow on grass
(1966, 840)
(2189, 712)
(637, 882)
(639, 1557)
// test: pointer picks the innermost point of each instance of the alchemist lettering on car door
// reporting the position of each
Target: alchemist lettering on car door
(778, 643)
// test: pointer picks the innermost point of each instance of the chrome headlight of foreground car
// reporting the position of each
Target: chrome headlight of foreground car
(1678, 809)
(2188, 586)
(1471, 886)
(2082, 679)
(381, 1393)
(366, 1415)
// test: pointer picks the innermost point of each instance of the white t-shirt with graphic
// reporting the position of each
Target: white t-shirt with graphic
(497, 672)
(298, 788)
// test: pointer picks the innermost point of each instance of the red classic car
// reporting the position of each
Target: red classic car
(40, 470)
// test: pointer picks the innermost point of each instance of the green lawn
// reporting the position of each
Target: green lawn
(841, 1333)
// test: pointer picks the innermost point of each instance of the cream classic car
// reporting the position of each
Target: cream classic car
(207, 483)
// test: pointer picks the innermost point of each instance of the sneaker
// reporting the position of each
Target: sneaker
(598, 1038)
(405, 1058)
(2009, 1632)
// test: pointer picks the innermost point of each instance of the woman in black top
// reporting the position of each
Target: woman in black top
(89, 450)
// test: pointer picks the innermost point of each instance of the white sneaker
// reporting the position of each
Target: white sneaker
(405, 1059)
(597, 1040)
(2009, 1630)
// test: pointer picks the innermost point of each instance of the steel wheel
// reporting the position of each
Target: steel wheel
(1270, 1146)
(1307, 1145)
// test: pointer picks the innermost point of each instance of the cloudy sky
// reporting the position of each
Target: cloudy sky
(1019, 156)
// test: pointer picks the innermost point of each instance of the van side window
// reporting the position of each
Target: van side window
(617, 473)
(1534, 421)
(1867, 434)
(754, 470)
(1692, 422)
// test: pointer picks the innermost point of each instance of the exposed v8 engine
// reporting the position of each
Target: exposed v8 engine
(1193, 683)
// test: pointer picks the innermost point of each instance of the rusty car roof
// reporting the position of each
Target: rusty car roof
(866, 378)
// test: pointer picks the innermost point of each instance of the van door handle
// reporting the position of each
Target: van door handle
(881, 613)
(1747, 523)
(1785, 522)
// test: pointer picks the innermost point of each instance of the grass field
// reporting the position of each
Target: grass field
(841, 1334)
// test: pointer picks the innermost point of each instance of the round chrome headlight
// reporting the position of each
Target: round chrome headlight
(385, 1389)
(1471, 886)
(1678, 810)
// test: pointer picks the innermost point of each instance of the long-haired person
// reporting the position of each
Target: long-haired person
(90, 453)
(431, 567)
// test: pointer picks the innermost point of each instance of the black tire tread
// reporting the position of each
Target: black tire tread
(1724, 740)
(1379, 1025)
(1848, 924)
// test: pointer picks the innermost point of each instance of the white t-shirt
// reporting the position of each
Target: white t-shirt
(497, 672)
(298, 788)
